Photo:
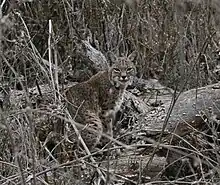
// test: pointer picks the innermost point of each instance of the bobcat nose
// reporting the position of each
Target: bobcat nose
(124, 77)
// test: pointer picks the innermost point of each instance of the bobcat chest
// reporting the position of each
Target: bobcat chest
(114, 99)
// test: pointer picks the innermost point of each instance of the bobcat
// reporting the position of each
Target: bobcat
(95, 102)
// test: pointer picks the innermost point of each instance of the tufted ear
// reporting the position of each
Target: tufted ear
(132, 56)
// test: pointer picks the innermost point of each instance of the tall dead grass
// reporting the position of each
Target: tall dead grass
(177, 42)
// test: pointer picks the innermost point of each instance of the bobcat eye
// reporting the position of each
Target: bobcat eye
(129, 69)
(116, 70)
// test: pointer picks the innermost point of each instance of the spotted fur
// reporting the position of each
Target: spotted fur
(95, 102)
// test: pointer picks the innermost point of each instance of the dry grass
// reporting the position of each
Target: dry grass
(177, 43)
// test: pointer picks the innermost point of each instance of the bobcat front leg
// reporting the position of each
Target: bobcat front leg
(107, 125)
(110, 127)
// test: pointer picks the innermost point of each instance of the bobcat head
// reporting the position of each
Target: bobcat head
(123, 70)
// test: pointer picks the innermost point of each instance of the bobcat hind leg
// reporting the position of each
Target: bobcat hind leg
(92, 130)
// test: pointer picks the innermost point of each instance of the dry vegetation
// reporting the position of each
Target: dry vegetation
(40, 43)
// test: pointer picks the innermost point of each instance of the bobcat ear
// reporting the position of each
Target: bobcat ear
(132, 56)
